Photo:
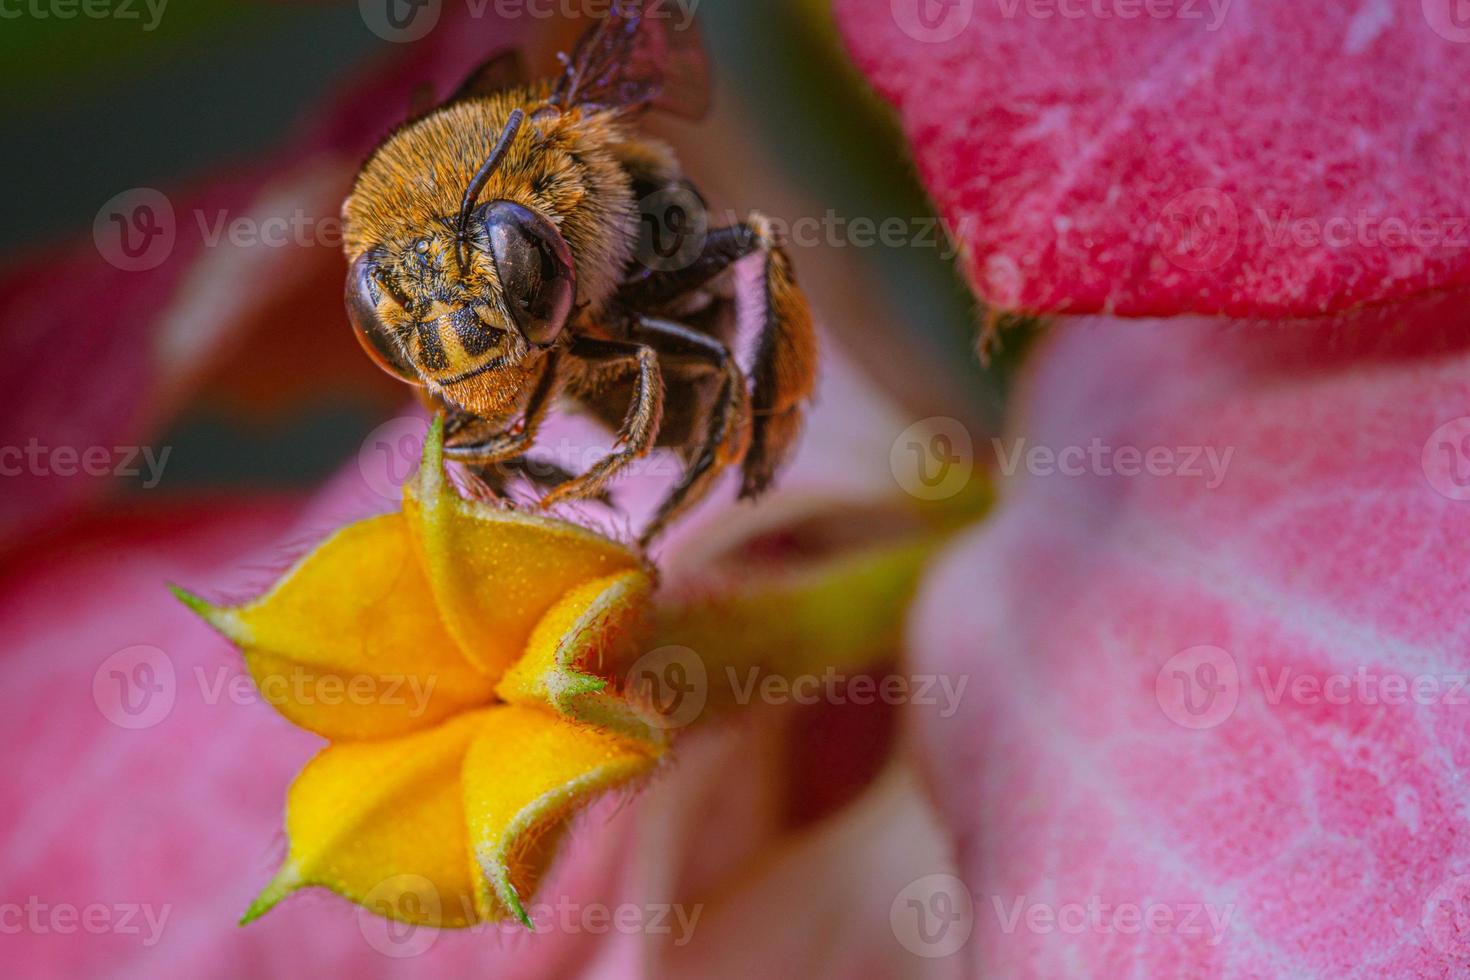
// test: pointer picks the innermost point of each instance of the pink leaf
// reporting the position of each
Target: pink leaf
(1231, 684)
(1223, 157)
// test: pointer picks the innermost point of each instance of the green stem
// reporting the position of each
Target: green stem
(845, 614)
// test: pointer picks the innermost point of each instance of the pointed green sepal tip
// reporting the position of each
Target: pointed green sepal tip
(224, 620)
(520, 912)
(506, 892)
(256, 910)
(284, 883)
(200, 607)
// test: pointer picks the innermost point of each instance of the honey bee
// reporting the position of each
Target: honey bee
(493, 244)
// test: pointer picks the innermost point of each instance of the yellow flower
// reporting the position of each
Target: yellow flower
(470, 669)
(460, 660)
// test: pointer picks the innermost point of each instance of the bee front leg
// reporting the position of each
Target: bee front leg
(542, 474)
(639, 432)
(514, 442)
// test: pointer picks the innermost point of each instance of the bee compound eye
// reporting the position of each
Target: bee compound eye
(535, 267)
(363, 295)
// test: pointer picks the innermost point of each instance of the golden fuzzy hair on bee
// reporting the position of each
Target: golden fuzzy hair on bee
(563, 164)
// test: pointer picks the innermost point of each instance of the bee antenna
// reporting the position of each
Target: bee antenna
(477, 182)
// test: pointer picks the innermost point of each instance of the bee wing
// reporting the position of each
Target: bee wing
(643, 53)
(505, 70)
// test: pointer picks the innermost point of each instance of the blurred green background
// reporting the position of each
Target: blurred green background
(96, 106)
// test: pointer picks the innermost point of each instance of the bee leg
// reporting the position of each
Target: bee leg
(513, 442)
(639, 432)
(722, 248)
(542, 474)
(784, 369)
(785, 366)
(727, 430)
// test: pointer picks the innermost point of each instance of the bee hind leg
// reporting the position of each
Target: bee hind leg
(785, 365)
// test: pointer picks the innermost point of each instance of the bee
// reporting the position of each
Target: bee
(494, 253)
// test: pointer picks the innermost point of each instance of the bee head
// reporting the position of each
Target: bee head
(490, 289)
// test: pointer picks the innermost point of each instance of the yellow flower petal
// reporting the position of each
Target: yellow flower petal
(577, 652)
(382, 823)
(496, 572)
(349, 644)
(525, 775)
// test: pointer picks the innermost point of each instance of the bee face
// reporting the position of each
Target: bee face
(474, 233)
(445, 310)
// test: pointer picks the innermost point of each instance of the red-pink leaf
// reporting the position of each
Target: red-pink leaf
(105, 338)
(1232, 687)
(1164, 157)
